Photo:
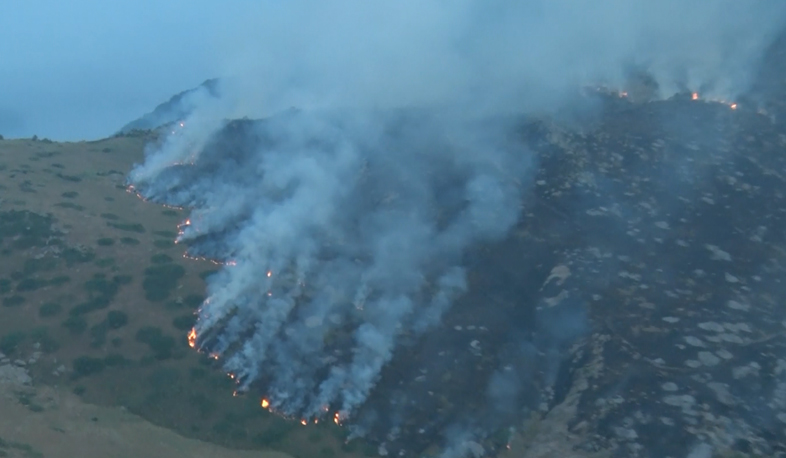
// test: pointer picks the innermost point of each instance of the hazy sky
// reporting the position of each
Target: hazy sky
(81, 69)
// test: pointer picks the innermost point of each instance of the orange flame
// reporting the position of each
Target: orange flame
(695, 96)
(336, 418)
(265, 403)
(303, 422)
(733, 106)
(192, 338)
(269, 273)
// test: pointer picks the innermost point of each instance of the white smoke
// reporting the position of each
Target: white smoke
(347, 221)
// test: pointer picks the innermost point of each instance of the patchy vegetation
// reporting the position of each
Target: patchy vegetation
(160, 280)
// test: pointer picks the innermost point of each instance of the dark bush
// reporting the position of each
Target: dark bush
(69, 194)
(76, 324)
(110, 216)
(184, 322)
(10, 342)
(29, 284)
(116, 319)
(49, 309)
(160, 280)
(98, 334)
(122, 279)
(73, 256)
(13, 301)
(130, 227)
(161, 344)
(105, 262)
(106, 241)
(86, 365)
(160, 258)
(5, 285)
(194, 300)
(59, 280)
(163, 244)
(115, 359)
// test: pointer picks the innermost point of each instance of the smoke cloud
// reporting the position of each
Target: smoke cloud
(389, 150)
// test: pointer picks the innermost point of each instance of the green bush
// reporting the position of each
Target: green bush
(194, 300)
(115, 359)
(74, 256)
(59, 280)
(105, 262)
(110, 216)
(69, 194)
(130, 227)
(106, 241)
(116, 319)
(96, 303)
(184, 323)
(86, 365)
(160, 280)
(29, 284)
(98, 334)
(13, 301)
(49, 309)
(129, 241)
(161, 344)
(169, 213)
(75, 324)
(122, 279)
(160, 258)
(10, 342)
(5, 285)
(163, 244)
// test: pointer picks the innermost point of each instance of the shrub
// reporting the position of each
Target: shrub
(73, 256)
(69, 194)
(116, 319)
(160, 280)
(184, 322)
(129, 241)
(59, 280)
(75, 324)
(10, 342)
(130, 227)
(163, 244)
(115, 359)
(161, 344)
(86, 365)
(160, 258)
(110, 216)
(106, 241)
(30, 284)
(49, 309)
(13, 301)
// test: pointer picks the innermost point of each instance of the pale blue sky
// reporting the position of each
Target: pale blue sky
(81, 69)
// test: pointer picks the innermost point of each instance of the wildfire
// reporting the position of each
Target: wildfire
(303, 422)
(265, 403)
(269, 273)
(337, 419)
(192, 338)
(733, 106)
(695, 96)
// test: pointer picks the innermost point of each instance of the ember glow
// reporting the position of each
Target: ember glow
(695, 96)
(265, 403)
(192, 338)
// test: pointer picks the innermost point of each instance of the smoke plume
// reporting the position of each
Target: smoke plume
(388, 151)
